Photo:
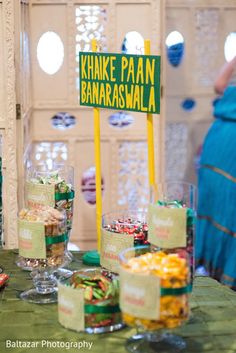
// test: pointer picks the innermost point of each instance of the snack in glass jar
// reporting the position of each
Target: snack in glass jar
(42, 242)
(55, 233)
(64, 191)
(190, 231)
(132, 225)
(172, 274)
(121, 230)
(100, 300)
(172, 201)
(53, 188)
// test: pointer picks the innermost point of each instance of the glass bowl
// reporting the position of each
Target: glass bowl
(171, 218)
(154, 297)
(42, 242)
(97, 297)
(121, 230)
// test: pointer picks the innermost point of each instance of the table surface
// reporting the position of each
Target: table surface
(211, 328)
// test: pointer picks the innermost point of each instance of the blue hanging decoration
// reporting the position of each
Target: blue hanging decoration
(175, 53)
(188, 104)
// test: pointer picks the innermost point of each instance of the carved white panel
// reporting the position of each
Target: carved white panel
(47, 153)
(25, 59)
(1, 65)
(1, 218)
(132, 187)
(176, 150)
(206, 36)
(91, 23)
(9, 140)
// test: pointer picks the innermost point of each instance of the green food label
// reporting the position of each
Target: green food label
(71, 307)
(40, 195)
(167, 227)
(111, 246)
(32, 239)
(140, 295)
(119, 81)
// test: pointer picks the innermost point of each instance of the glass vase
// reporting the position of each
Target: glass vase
(121, 230)
(54, 187)
(171, 203)
(97, 295)
(42, 241)
(154, 298)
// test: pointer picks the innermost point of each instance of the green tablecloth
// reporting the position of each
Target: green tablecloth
(212, 327)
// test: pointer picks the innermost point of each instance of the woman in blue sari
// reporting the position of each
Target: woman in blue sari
(216, 225)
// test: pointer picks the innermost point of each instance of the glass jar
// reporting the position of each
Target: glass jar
(42, 243)
(121, 230)
(98, 298)
(54, 188)
(61, 178)
(154, 296)
(171, 218)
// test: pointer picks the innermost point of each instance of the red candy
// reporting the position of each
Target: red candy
(133, 227)
(3, 279)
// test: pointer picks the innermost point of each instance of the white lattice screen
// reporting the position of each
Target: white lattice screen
(51, 124)
(124, 149)
(204, 26)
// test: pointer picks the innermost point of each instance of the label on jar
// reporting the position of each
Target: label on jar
(112, 244)
(167, 227)
(32, 239)
(40, 195)
(71, 307)
(140, 295)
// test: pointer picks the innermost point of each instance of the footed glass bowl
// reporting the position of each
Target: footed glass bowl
(154, 298)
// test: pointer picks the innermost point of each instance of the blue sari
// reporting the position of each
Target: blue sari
(216, 224)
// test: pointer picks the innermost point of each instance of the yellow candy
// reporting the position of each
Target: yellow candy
(173, 273)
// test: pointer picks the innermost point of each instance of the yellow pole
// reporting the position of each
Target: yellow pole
(150, 133)
(97, 150)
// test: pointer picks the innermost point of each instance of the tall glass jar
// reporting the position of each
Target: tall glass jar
(171, 218)
(54, 188)
(42, 241)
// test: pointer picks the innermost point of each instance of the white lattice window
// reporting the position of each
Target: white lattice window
(133, 190)
(90, 24)
(207, 36)
(176, 150)
(133, 43)
(48, 153)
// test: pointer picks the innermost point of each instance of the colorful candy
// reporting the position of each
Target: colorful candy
(64, 193)
(101, 297)
(174, 276)
(130, 226)
(3, 280)
(54, 225)
(190, 230)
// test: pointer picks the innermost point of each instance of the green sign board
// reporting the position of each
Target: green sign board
(118, 81)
